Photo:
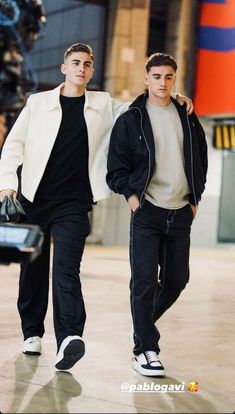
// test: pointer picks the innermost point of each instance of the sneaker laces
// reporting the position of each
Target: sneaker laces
(152, 358)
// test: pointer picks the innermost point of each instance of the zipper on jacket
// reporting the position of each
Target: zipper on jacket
(191, 154)
(142, 130)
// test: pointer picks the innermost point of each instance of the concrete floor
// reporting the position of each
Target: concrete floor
(197, 342)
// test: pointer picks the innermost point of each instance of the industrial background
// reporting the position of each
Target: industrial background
(200, 35)
(197, 336)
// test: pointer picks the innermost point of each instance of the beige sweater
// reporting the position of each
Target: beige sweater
(168, 187)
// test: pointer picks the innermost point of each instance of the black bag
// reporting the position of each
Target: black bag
(11, 210)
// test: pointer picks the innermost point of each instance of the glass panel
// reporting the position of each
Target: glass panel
(67, 23)
(227, 200)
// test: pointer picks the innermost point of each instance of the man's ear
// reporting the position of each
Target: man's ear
(63, 69)
(146, 79)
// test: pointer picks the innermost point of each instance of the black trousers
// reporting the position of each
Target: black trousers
(68, 224)
(159, 239)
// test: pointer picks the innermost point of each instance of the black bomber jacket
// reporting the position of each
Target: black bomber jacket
(131, 157)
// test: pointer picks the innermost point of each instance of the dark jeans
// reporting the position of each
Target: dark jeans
(68, 224)
(158, 237)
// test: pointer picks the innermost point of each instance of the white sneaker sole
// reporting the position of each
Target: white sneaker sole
(148, 372)
(71, 350)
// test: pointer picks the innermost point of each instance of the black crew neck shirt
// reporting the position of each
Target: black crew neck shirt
(66, 174)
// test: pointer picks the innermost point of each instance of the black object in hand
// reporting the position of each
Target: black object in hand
(11, 210)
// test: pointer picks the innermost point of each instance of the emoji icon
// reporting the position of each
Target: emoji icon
(193, 386)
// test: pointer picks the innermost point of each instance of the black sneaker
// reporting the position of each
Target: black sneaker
(71, 350)
(149, 364)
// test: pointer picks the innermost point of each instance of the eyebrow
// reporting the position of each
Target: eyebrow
(159, 74)
(78, 60)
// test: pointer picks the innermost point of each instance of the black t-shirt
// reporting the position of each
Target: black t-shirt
(66, 174)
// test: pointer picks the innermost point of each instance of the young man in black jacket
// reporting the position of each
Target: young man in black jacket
(158, 161)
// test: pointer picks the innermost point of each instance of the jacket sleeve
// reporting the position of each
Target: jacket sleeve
(13, 151)
(202, 144)
(120, 161)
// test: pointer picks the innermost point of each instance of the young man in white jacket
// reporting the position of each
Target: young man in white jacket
(61, 137)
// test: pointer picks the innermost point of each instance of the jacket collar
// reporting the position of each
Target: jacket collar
(53, 100)
(90, 101)
(141, 100)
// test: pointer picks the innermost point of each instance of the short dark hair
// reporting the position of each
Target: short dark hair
(79, 47)
(160, 59)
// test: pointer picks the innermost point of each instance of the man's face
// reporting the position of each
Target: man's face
(78, 69)
(160, 81)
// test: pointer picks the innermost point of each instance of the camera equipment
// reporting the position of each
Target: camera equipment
(20, 24)
(19, 243)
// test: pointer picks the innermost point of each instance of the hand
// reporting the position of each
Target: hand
(133, 202)
(3, 129)
(182, 99)
(5, 193)
(194, 210)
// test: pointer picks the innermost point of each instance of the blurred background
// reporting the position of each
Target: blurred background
(200, 34)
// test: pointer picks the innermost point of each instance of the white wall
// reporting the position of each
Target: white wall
(205, 226)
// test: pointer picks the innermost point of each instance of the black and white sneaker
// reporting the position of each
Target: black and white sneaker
(71, 350)
(149, 364)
